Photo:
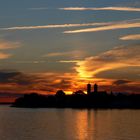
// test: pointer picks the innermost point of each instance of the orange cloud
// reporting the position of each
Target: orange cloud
(18, 82)
(70, 61)
(131, 37)
(129, 9)
(5, 45)
(114, 26)
(4, 55)
(48, 83)
(54, 26)
(89, 69)
(117, 58)
(86, 70)
(74, 54)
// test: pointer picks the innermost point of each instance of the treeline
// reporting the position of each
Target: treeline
(60, 100)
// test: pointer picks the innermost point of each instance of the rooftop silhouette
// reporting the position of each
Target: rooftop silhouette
(93, 99)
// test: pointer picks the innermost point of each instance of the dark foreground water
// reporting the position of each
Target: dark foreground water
(68, 124)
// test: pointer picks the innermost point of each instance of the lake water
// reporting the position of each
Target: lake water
(68, 124)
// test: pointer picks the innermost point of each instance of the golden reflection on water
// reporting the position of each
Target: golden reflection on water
(69, 124)
(84, 122)
(112, 124)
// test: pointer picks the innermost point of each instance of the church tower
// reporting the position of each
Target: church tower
(95, 88)
(88, 89)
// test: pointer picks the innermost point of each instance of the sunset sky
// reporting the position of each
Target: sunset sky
(49, 45)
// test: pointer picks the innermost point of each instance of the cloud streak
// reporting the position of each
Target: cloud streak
(129, 9)
(56, 26)
(113, 26)
(6, 45)
(19, 82)
(99, 26)
(5, 55)
(131, 37)
(69, 54)
(69, 61)
(117, 58)
(121, 82)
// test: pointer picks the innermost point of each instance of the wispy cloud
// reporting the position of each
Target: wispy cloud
(55, 54)
(49, 82)
(117, 58)
(4, 55)
(71, 54)
(70, 61)
(99, 26)
(131, 9)
(90, 68)
(131, 37)
(29, 62)
(56, 26)
(121, 82)
(113, 26)
(15, 81)
(5, 45)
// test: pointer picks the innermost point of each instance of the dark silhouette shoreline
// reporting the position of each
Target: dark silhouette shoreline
(96, 101)
(93, 99)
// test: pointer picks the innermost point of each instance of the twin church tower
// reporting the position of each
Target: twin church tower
(89, 88)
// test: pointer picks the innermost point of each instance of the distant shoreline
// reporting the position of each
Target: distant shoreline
(79, 101)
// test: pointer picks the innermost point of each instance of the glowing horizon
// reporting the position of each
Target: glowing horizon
(49, 46)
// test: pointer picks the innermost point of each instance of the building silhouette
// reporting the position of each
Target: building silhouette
(93, 99)
(95, 88)
(88, 89)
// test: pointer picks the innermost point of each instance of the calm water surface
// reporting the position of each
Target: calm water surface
(68, 124)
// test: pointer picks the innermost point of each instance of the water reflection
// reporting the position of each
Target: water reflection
(84, 122)
(69, 124)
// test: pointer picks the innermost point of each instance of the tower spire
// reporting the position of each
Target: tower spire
(95, 88)
(88, 88)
